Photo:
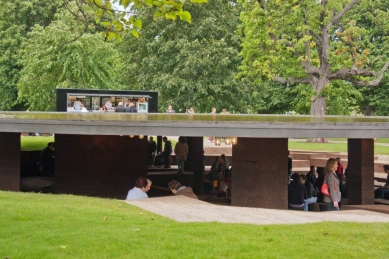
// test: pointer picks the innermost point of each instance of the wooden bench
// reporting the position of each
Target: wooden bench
(381, 201)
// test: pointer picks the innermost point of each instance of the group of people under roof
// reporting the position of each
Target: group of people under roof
(143, 185)
(191, 110)
(164, 158)
(306, 189)
(129, 106)
(220, 175)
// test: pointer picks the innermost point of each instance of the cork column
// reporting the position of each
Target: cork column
(194, 162)
(96, 165)
(360, 173)
(259, 173)
(10, 161)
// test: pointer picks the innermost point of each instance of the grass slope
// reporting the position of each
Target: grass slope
(29, 143)
(332, 147)
(66, 226)
(38, 143)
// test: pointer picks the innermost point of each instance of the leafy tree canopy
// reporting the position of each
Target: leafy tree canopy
(17, 17)
(120, 15)
(62, 56)
(315, 42)
(190, 64)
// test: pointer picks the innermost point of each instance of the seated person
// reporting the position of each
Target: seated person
(103, 108)
(170, 110)
(46, 160)
(297, 193)
(383, 190)
(108, 104)
(179, 189)
(120, 108)
(311, 176)
(142, 186)
(225, 164)
(311, 192)
(131, 108)
(76, 104)
(83, 109)
(216, 169)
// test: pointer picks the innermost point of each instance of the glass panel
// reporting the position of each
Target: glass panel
(96, 103)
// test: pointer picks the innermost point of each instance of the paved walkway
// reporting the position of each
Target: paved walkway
(184, 209)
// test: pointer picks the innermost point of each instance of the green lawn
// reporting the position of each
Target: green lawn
(332, 147)
(67, 226)
(32, 143)
(379, 140)
(38, 143)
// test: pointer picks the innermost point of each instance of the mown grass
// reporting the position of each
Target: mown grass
(379, 140)
(30, 143)
(65, 226)
(33, 143)
(332, 147)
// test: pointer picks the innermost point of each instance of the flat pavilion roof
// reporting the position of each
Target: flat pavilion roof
(231, 125)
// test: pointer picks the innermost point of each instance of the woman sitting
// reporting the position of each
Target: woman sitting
(103, 108)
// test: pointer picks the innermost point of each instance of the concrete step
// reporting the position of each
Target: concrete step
(301, 163)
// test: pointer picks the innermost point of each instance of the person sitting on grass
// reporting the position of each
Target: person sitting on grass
(142, 186)
(178, 189)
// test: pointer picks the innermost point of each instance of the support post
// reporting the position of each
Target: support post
(194, 162)
(10, 161)
(259, 173)
(360, 171)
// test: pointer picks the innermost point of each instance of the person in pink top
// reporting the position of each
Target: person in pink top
(339, 171)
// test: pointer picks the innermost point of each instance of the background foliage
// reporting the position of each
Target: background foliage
(191, 60)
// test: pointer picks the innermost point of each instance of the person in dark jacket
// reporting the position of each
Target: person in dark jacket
(120, 108)
(178, 189)
(151, 150)
(311, 192)
(311, 176)
(131, 108)
(297, 193)
(46, 160)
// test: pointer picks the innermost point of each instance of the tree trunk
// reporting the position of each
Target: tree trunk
(367, 111)
(318, 105)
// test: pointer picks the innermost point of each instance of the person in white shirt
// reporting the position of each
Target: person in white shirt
(83, 109)
(108, 104)
(142, 186)
(77, 105)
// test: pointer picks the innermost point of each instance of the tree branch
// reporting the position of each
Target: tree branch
(290, 80)
(348, 74)
(339, 15)
(376, 81)
(85, 20)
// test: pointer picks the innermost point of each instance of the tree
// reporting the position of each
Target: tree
(314, 42)
(189, 64)
(16, 20)
(120, 15)
(61, 55)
